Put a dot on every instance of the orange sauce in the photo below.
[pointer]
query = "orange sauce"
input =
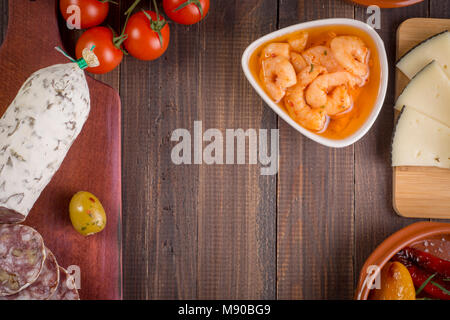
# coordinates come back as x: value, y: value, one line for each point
x: 344, y: 125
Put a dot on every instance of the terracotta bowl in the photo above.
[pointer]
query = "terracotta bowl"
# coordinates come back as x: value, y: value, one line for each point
x: 387, y: 3
x: 388, y: 248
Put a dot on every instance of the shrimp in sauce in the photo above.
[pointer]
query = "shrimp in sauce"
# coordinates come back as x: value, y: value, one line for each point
x: 352, y: 54
x: 299, y: 42
x: 317, y: 93
x: 276, y: 50
x: 340, y: 101
x: 278, y: 74
x: 320, y: 76
x: 311, y: 118
x: 298, y: 61
x: 323, y: 56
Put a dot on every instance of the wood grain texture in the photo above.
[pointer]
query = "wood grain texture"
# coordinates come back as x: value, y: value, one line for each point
x: 93, y: 162
x: 221, y: 231
x: 422, y: 192
x: 419, y: 192
x: 160, y: 198
x: 375, y: 218
x: 315, y: 197
x: 236, y: 205
x: 3, y: 19
x: 439, y: 9
x: 199, y: 240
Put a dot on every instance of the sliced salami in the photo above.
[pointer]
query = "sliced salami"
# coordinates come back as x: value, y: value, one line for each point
x: 44, y: 286
x: 36, y: 132
x: 22, y: 256
x: 66, y: 288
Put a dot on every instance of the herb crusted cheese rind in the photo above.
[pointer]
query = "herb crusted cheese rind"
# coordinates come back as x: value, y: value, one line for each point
x: 420, y: 141
x: 36, y: 132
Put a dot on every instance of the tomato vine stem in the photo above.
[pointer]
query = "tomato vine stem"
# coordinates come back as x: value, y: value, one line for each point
x: 105, y: 1
x: 118, y: 40
x: 188, y: 2
x: 157, y: 25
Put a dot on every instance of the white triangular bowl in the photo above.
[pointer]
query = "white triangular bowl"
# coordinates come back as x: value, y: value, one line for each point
x: 334, y: 143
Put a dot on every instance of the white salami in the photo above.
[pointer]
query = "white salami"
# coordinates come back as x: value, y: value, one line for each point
x: 22, y: 256
x: 36, y: 132
x: 44, y: 286
x: 66, y: 288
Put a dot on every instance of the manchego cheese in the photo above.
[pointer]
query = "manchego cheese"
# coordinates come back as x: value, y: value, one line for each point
x: 435, y: 48
x: 428, y: 93
x: 420, y: 141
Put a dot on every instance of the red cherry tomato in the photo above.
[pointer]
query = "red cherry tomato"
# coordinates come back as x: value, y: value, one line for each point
x: 107, y: 52
x: 186, y: 11
x: 92, y: 12
x: 148, y: 35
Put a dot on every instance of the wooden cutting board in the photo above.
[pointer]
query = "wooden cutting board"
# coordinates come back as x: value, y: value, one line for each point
x: 92, y: 164
x: 419, y: 192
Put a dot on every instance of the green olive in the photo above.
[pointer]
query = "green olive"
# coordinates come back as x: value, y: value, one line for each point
x: 87, y: 213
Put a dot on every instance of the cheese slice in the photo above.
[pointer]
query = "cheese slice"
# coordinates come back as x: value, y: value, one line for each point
x: 434, y: 48
x: 429, y: 93
x: 420, y: 141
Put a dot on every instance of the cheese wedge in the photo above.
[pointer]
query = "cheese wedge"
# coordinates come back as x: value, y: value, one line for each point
x: 429, y: 93
x: 420, y: 141
x: 434, y: 48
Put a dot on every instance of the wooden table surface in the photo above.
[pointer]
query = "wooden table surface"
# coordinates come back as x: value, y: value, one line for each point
x: 225, y: 231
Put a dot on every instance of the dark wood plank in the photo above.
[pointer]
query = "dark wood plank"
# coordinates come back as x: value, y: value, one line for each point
x: 440, y: 9
x: 315, y: 197
x: 160, y: 199
x: 236, y: 205
x: 3, y: 19
x: 375, y: 218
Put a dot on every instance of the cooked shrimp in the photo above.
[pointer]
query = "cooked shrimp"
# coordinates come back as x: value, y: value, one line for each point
x: 310, y: 118
x: 309, y: 74
x: 278, y: 74
x: 298, y: 61
x: 317, y: 92
x: 352, y: 54
x: 321, y: 55
x: 276, y: 49
x: 339, y: 101
x: 299, y: 42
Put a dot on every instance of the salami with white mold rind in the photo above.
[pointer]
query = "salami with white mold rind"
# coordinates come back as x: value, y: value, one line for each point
x: 36, y: 132
x: 66, y: 288
x: 22, y: 256
x: 44, y: 286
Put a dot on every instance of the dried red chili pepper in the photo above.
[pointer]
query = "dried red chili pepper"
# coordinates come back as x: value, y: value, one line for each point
x: 420, y: 276
x: 426, y: 261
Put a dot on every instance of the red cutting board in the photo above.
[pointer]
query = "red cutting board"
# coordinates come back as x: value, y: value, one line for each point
x: 92, y: 164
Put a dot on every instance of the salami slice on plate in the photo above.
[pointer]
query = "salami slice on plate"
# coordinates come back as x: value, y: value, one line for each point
x: 66, y: 288
x: 44, y: 286
x: 22, y: 256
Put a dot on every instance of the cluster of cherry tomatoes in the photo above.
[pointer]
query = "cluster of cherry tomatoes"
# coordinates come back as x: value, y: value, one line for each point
x: 145, y: 35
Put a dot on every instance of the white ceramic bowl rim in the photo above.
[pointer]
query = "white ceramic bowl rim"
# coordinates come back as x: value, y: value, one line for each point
x: 313, y: 24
